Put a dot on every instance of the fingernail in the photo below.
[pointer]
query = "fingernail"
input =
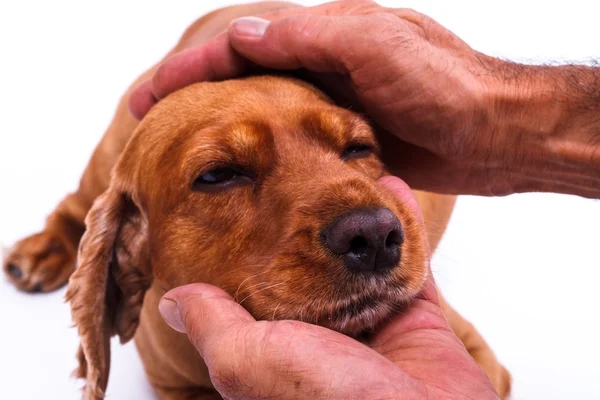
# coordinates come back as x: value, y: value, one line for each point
x: 170, y: 313
x: 250, y: 26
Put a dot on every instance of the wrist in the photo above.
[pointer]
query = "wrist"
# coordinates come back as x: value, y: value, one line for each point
x: 544, y: 122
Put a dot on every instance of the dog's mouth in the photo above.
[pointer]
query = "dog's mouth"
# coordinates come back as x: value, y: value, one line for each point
x: 330, y: 296
x: 364, y: 313
x: 328, y: 286
x: 352, y: 314
x: 355, y: 318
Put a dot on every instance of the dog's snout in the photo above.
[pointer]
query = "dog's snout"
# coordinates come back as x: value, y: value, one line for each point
x: 368, y: 239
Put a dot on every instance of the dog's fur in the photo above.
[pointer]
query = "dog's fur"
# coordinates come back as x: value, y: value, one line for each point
x: 149, y: 229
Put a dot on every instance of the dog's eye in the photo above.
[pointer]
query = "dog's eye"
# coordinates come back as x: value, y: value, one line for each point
x: 218, y: 175
x: 220, y: 178
x: 356, y: 151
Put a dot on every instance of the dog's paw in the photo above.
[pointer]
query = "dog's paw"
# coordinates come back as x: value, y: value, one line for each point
x: 40, y: 263
x: 499, y: 376
x: 502, y: 382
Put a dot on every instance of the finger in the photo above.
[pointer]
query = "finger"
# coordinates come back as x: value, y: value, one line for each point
x: 315, y: 42
x: 336, y: 86
x: 142, y: 100
x: 425, y: 312
x: 246, y: 358
x: 202, y: 311
x: 424, y: 170
x: 402, y: 191
x: 215, y: 60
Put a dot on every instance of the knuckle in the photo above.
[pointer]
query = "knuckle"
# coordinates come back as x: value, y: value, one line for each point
x: 383, y: 21
x: 229, y: 365
x: 240, y: 362
x: 313, y: 38
x: 276, y: 338
x: 237, y: 348
x: 410, y: 13
x: 193, y: 320
x: 359, y: 7
x: 227, y: 382
x: 262, y: 360
x: 309, y: 26
x: 407, y: 14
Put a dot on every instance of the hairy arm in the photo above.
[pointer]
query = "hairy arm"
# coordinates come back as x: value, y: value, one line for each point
x: 550, y: 117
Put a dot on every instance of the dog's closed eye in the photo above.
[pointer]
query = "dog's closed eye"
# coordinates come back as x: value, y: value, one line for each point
x: 355, y: 151
x: 221, y: 178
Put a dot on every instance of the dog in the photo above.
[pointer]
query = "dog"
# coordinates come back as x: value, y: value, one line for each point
x: 259, y: 185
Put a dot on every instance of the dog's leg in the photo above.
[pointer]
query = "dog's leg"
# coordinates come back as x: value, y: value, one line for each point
x: 479, y: 349
x: 44, y: 261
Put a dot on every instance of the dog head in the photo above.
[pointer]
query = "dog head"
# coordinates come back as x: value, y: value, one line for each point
x: 260, y: 186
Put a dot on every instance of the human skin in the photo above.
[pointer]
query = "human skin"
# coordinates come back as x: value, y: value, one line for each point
x: 414, y: 356
x: 451, y: 119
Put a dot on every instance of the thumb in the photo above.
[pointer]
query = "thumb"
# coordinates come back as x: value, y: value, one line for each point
x: 403, y: 192
x: 316, y: 42
x: 246, y: 358
x: 204, y: 312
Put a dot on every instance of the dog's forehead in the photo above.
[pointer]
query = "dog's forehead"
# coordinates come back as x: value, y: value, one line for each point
x: 251, y: 119
x: 253, y: 94
x: 281, y: 107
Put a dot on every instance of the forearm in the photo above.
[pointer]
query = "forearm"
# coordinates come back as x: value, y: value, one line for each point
x: 550, y: 118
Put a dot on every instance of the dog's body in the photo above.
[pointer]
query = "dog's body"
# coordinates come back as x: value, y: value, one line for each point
x: 161, y: 221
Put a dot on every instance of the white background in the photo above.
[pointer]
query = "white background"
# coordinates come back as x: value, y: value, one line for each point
x: 525, y: 268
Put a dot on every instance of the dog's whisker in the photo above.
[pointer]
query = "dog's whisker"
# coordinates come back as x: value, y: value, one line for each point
x: 257, y: 263
x: 244, y: 281
x: 275, y: 311
x: 263, y: 289
x: 256, y: 284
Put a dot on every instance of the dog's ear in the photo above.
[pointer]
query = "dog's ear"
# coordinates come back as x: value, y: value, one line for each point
x: 107, y: 290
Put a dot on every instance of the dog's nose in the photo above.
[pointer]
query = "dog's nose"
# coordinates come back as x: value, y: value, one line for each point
x: 368, y: 239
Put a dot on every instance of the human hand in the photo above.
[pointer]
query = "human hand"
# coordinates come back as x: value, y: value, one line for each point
x: 414, y: 356
x: 460, y: 121
x: 413, y: 77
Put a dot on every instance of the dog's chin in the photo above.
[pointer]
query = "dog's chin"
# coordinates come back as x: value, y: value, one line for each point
x: 355, y: 323
x: 362, y: 314
x: 371, y: 305
x: 357, y: 308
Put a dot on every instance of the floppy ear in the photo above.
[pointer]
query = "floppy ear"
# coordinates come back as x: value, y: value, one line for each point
x: 107, y: 290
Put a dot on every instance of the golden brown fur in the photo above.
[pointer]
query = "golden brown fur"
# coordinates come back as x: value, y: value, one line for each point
x: 148, y: 231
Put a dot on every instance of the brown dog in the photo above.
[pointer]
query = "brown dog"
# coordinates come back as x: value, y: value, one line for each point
x: 260, y: 186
